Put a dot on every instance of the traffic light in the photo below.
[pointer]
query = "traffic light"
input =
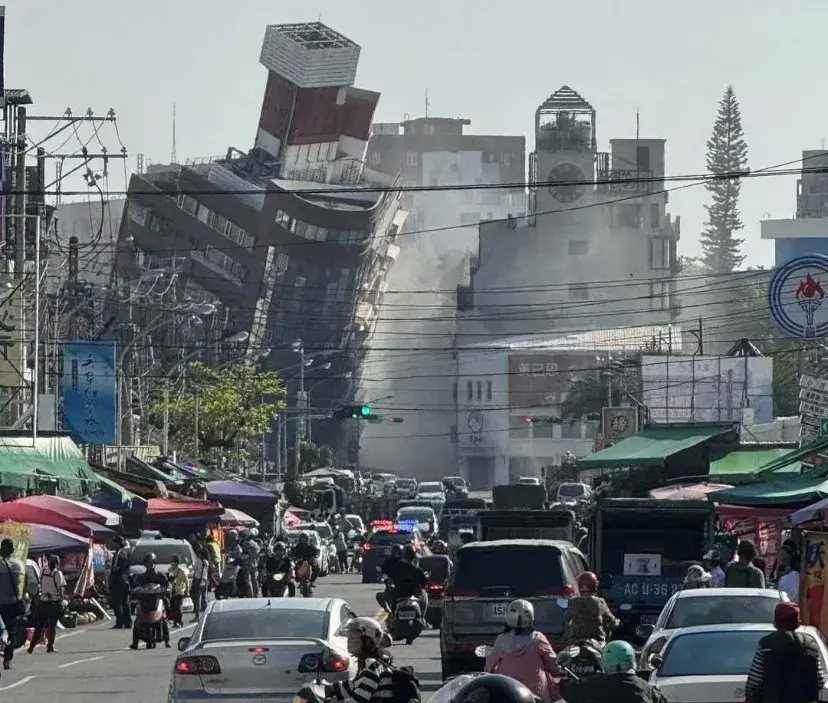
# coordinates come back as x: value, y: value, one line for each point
x: 356, y: 412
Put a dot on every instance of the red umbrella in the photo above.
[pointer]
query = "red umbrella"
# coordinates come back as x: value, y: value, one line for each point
x: 21, y: 511
x: 173, y: 509
x: 74, y: 509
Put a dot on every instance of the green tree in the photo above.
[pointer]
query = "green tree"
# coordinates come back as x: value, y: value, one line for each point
x: 586, y: 396
x: 726, y: 153
x: 234, y: 405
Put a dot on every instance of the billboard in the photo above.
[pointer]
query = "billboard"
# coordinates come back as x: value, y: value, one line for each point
x: 542, y: 379
x: 89, y: 391
x: 707, y: 388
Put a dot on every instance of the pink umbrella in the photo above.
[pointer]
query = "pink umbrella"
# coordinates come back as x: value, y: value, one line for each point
x: 694, y: 491
x: 72, y: 509
x: 236, y: 518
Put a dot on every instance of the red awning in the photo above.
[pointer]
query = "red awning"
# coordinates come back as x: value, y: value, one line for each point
x: 19, y: 511
x: 73, y: 509
x: 745, y: 512
x: 173, y: 509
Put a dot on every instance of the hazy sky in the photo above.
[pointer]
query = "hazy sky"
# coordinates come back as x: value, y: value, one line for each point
x: 492, y: 61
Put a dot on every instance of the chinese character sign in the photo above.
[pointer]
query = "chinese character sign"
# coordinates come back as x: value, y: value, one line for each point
x: 540, y: 379
x: 90, y: 392
x: 812, y: 588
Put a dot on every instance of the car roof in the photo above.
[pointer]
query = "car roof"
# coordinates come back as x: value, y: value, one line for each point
x: 142, y: 541
x: 728, y: 592
x: 233, y: 605
x: 724, y: 627
x: 504, y: 543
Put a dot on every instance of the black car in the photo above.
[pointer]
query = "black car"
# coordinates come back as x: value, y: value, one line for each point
x: 377, y: 548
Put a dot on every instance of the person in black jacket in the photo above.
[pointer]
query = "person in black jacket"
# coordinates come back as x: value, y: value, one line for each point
x: 787, y: 666
x: 119, y: 584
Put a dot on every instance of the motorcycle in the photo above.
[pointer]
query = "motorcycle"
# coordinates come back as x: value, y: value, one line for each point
x: 275, y: 585
x: 150, y: 614
x: 303, y: 578
x: 582, y: 659
x: 406, y: 623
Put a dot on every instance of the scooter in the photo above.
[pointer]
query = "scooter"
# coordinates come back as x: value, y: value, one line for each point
x: 275, y: 585
x: 407, y: 621
x: 582, y: 659
x: 150, y: 615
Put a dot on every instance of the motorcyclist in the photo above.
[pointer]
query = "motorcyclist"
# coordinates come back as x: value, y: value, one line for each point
x: 619, y: 683
x: 367, y: 641
x: 390, y: 568
x: 248, y: 578
x: 524, y: 653
x: 278, y: 562
x: 488, y: 688
x: 151, y: 576
x: 588, y: 615
x: 408, y: 579
x: 305, y: 551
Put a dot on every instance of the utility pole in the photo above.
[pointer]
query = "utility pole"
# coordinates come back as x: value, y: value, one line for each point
x: 197, y: 408
x: 20, y: 197
x: 166, y: 443
x: 300, y: 421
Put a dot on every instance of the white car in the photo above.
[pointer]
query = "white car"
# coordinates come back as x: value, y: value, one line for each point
x: 432, y: 492
x: 707, y: 606
x: 711, y: 663
x: 261, y: 649
x: 418, y: 517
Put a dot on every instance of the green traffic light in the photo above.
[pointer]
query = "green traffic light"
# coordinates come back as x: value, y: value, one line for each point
x: 365, y: 410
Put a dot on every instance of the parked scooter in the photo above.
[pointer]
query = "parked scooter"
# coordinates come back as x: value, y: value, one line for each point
x: 150, y: 615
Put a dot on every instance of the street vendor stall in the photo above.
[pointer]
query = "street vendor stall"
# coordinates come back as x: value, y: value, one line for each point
x: 24, y: 510
x: 180, y: 517
x: 763, y: 526
x: 247, y: 496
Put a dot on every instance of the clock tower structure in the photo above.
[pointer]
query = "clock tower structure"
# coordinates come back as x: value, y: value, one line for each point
x: 563, y: 163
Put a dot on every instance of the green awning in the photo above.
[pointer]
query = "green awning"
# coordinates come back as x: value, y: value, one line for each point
x: 817, y: 446
x: 783, y: 492
x: 53, y: 464
x: 744, y: 464
x: 653, y: 446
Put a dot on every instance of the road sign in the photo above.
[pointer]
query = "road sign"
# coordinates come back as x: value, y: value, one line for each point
x: 796, y: 294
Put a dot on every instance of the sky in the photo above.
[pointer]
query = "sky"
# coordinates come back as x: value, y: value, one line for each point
x: 491, y: 61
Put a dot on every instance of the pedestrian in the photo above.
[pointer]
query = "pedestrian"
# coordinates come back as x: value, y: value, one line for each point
x: 342, y: 552
x: 179, y: 586
x: 713, y: 565
x: 50, y: 604
x: 787, y: 577
x: 201, y: 574
x: 742, y: 573
x: 787, y: 666
x: 12, y: 605
x: 119, y: 584
x: 696, y: 577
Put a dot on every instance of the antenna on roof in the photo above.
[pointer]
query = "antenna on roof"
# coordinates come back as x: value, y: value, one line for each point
x: 173, y: 155
x: 427, y: 103
x: 637, y: 124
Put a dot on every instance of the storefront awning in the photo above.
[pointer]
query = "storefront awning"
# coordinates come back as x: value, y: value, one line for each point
x: 790, y: 492
x: 653, y: 446
x: 50, y: 464
x: 820, y: 445
x: 743, y: 465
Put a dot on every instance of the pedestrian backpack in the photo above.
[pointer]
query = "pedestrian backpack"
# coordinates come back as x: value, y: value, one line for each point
x: 802, y: 675
x: 405, y: 688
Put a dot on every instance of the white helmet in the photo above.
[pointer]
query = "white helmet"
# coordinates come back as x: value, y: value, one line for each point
x: 370, y: 628
x: 520, y: 614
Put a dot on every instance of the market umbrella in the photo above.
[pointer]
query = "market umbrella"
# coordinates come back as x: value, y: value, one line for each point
x: 44, y: 539
x: 810, y: 513
x: 22, y: 511
x: 236, y: 518
x: 176, y: 509
x: 240, y: 491
x: 73, y: 509
x: 694, y: 491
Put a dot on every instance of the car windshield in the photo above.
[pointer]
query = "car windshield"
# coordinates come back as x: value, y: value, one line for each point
x: 721, y: 653
x: 713, y: 610
x: 163, y: 553
x: 421, y: 514
x: 526, y: 570
x: 265, y: 624
x: 431, y: 488
x: 571, y: 490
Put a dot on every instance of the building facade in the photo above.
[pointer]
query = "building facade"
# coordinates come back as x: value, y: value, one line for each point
x: 807, y: 233
x: 280, y: 237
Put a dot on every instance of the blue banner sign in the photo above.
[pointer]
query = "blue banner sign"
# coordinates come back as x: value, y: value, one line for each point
x: 89, y: 382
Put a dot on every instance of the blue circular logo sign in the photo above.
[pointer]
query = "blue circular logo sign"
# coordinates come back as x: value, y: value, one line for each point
x: 796, y: 297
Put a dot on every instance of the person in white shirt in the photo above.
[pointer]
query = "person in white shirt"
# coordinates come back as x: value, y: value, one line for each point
x: 50, y: 604
x: 787, y: 576
x: 712, y: 563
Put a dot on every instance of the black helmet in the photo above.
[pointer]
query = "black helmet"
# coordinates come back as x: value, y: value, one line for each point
x: 150, y: 558
x: 494, y: 688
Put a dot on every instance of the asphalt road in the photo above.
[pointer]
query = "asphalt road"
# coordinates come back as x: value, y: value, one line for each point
x: 95, y: 664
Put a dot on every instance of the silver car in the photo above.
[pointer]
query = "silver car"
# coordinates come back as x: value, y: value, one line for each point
x: 262, y: 649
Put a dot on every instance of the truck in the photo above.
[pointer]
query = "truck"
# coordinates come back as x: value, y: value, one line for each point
x: 555, y: 524
x: 641, y: 549
x: 519, y: 496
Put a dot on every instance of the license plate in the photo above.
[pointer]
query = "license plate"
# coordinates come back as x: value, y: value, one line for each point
x: 498, y: 610
x: 583, y: 669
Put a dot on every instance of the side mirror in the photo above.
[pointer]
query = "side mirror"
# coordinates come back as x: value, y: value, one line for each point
x: 183, y: 643
x: 644, y: 631
x: 655, y: 660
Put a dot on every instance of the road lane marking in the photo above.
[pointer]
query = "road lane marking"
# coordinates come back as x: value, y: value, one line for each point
x: 79, y: 661
x: 17, y: 683
x: 181, y: 629
x: 69, y: 634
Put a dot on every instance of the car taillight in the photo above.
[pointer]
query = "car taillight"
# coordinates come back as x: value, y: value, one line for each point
x: 197, y: 666
x: 435, y: 588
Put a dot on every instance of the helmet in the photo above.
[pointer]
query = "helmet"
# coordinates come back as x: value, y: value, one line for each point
x: 520, y: 614
x: 439, y: 547
x: 150, y: 558
x: 587, y: 583
x: 370, y: 629
x: 696, y: 576
x: 617, y: 657
x: 279, y: 547
x: 253, y: 533
x: 244, y: 533
x: 397, y: 551
x: 493, y: 688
